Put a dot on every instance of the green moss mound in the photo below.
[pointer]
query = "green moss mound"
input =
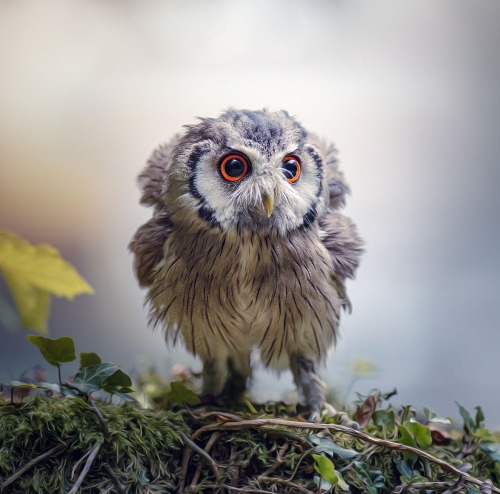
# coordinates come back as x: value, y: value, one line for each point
x: 56, y: 445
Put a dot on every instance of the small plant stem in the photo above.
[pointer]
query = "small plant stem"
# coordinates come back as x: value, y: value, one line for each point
x: 98, y: 413
x: 59, y: 375
x: 284, y: 482
x: 194, y: 446
x: 210, y: 444
x: 54, y: 451
x: 93, y: 453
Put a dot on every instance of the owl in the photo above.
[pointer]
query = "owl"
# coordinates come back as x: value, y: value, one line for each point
x: 245, y: 250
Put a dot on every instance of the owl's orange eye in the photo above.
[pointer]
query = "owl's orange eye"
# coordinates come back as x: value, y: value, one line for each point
x: 234, y: 167
x: 291, y: 168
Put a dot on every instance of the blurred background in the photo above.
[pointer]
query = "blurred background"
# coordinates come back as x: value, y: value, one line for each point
x: 408, y: 92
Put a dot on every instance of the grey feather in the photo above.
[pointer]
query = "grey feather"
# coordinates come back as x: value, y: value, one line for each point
x: 227, y: 275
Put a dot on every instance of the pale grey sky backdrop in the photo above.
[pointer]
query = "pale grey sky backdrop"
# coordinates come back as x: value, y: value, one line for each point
x: 408, y: 91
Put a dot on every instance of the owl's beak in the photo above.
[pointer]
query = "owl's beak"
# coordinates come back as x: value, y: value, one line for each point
x: 268, y: 202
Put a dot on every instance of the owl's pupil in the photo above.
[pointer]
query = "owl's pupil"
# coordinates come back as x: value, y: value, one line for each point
x: 290, y: 169
x: 235, y: 167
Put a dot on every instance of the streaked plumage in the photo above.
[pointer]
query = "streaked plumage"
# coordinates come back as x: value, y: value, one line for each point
x: 260, y: 261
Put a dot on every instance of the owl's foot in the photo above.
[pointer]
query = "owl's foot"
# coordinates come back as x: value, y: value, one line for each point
x: 330, y: 411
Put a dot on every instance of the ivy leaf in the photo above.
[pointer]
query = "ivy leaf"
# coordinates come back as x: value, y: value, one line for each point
x: 404, y: 469
x: 181, y: 395
x: 384, y: 418
x: 492, y: 449
x: 405, y: 437
x: 41, y: 266
x: 420, y: 433
x: 118, y: 381
x: 469, y: 424
x: 20, y: 384
x: 32, y: 302
x: 325, y: 445
x: 89, y: 358
x: 326, y: 469
x: 373, y: 479
x: 55, y: 351
x: 92, y: 378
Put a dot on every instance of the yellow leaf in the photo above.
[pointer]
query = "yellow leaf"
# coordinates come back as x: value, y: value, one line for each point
x: 41, y: 266
x: 33, y: 303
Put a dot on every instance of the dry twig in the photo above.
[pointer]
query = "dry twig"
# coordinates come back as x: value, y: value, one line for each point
x: 258, y: 423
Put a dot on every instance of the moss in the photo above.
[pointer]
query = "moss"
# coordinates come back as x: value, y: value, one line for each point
x: 158, y: 451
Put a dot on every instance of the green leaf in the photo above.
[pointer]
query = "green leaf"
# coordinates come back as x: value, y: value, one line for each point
x: 20, y: 384
x: 479, y: 417
x: 325, y: 445
x: 181, y: 395
x: 55, y: 351
x: 384, y: 418
x: 118, y: 381
x: 469, y: 425
x: 32, y: 303
x: 373, y: 479
x: 420, y: 433
x: 405, y: 437
x: 92, y: 378
x: 40, y: 266
x: 326, y: 469
x: 251, y: 407
x: 404, y: 469
x: 431, y: 416
x: 492, y: 449
x: 89, y: 358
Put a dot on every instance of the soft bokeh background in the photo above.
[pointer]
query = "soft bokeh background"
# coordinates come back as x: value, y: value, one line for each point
x: 408, y: 91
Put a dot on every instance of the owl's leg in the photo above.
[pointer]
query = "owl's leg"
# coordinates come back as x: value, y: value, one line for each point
x: 215, y: 372
x: 312, y: 390
x: 239, y: 372
x: 309, y: 385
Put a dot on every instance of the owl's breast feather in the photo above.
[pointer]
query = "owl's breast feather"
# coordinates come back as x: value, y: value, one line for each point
x: 245, y: 290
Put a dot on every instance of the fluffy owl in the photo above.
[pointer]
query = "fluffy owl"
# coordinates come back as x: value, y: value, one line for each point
x: 245, y: 249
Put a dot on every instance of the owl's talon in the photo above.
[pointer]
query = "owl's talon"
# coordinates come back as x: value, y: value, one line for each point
x: 344, y: 418
x: 315, y: 417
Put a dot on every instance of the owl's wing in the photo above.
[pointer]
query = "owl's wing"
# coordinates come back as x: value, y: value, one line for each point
x: 337, y: 186
x: 149, y: 240
x: 340, y: 236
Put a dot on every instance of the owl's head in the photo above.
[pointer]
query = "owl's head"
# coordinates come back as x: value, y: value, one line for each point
x: 255, y: 170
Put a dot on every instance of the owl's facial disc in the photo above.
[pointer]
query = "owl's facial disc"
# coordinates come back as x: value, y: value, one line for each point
x: 243, y: 187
